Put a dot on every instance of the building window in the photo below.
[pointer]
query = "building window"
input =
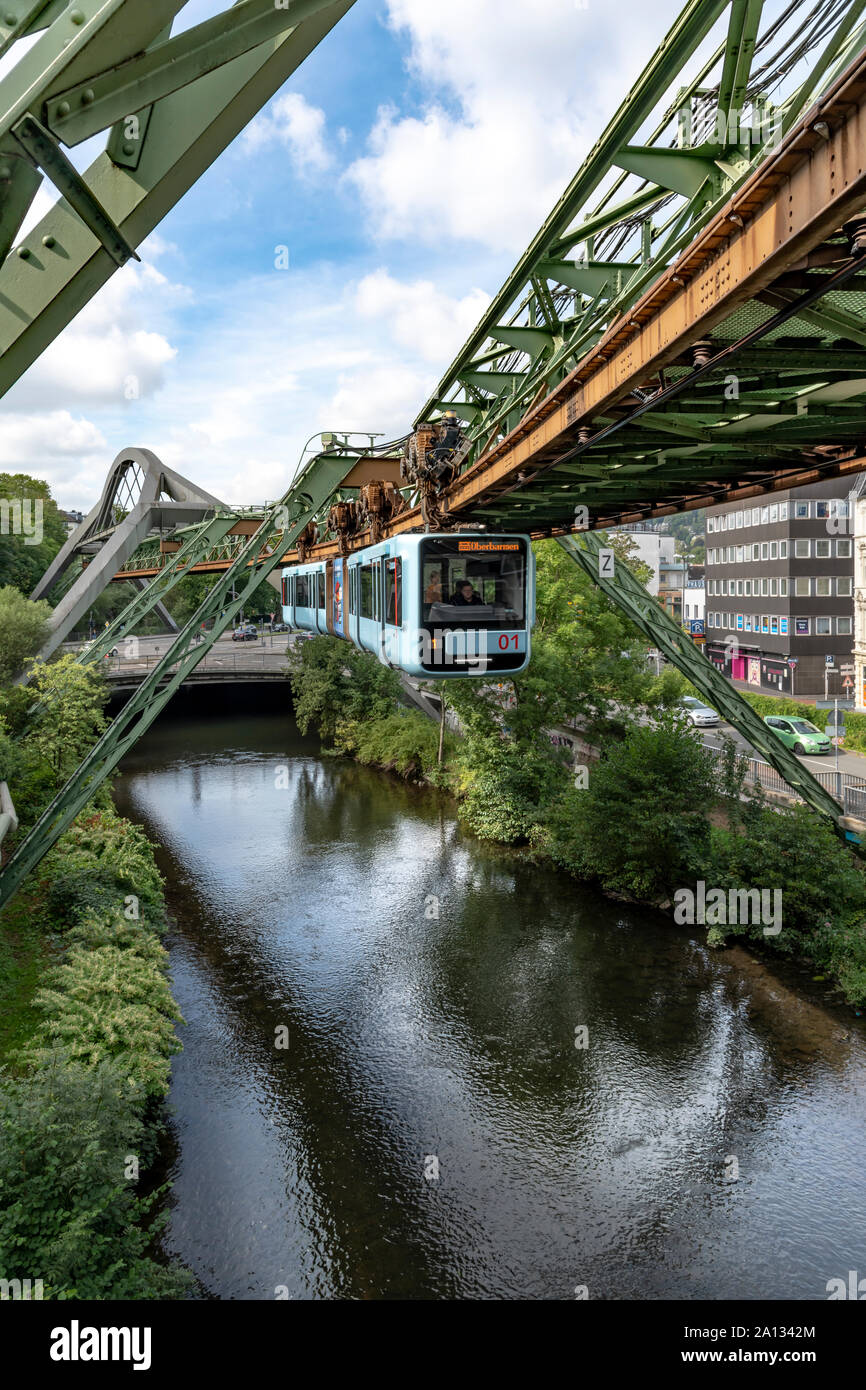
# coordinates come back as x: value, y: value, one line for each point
x: 774, y: 627
x: 765, y: 623
x: 801, y: 511
x: 739, y: 587
x: 783, y: 588
x: 783, y: 550
x: 747, y: 588
x: 822, y: 510
x: 783, y: 511
x: 756, y: 515
x: 756, y: 552
x: 765, y: 515
x: 843, y: 550
x: 765, y: 587
x: 802, y: 627
x: 823, y: 587
x: 739, y: 554
x: 844, y: 586
x: 774, y: 550
x: 783, y: 626
x: 774, y: 512
x: 843, y: 627
x: 739, y: 522
x: 802, y: 550
x: 802, y: 587
x: 774, y: 588
x: 748, y: 623
x: 822, y: 627
x: 765, y: 550
x: 822, y: 550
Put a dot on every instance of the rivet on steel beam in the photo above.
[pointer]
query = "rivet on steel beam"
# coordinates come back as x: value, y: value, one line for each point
x: 63, y: 108
x: 821, y: 128
x: 11, y: 20
x: 49, y: 241
x: 77, y: 16
x: 24, y: 252
x: 87, y: 96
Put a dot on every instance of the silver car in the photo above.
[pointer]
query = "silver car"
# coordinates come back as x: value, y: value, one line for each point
x: 699, y: 713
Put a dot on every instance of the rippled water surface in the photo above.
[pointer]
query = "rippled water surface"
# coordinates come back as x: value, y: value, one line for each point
x: 305, y: 893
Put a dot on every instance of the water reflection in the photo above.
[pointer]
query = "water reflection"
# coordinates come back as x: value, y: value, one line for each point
x: 309, y: 900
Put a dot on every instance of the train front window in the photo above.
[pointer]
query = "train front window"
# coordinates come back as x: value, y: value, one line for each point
x: 473, y: 583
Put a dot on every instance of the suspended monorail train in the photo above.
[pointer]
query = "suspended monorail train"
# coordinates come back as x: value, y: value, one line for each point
x: 434, y: 606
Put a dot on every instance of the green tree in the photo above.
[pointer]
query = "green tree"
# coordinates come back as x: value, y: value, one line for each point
x: 640, y: 827
x: 334, y: 684
x: 23, y: 630
x: 22, y: 563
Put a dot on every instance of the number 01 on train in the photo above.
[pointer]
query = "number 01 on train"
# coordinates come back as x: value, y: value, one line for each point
x: 435, y: 606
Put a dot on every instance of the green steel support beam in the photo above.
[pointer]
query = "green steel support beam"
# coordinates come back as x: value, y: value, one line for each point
x: 309, y: 492
x: 61, y: 263
x: 649, y: 617
x: 193, y: 549
x: 95, y: 104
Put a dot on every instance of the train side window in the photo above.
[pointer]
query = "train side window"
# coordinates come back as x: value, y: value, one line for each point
x: 303, y: 585
x: 285, y: 592
x: 393, y: 595
x: 321, y: 587
x: 367, y: 606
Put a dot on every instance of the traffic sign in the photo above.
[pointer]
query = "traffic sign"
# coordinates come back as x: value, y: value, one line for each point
x: 847, y: 669
x: 792, y: 662
x: 828, y: 660
x: 847, y: 683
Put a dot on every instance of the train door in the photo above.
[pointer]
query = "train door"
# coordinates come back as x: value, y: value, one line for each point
x: 392, y: 607
x: 329, y: 595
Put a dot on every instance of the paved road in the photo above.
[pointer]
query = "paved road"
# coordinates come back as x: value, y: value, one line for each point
x: 852, y: 763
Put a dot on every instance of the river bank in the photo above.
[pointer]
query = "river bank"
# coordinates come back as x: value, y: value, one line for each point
x: 431, y: 988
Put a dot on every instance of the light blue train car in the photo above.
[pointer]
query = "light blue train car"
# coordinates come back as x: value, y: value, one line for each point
x: 435, y: 606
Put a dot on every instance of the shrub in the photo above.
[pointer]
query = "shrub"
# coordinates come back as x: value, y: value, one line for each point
x: 640, y: 827
x: 404, y: 742
x: 69, y: 1215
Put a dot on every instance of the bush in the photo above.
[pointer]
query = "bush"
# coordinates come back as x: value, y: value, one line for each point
x: 823, y: 889
x: 640, y: 827
x: 405, y: 742
x: 506, y: 788
x: 99, y: 862
x: 23, y: 630
x: 69, y: 1214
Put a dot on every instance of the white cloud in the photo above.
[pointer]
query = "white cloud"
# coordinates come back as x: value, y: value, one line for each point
x: 420, y: 317
x: 511, y: 98
x: 108, y: 355
x: 292, y: 122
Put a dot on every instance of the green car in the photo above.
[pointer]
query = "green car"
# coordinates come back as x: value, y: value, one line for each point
x: 798, y: 734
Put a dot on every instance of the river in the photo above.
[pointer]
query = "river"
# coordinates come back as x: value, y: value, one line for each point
x: 381, y: 1095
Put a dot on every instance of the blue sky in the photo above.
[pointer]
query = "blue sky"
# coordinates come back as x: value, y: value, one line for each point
x: 405, y: 166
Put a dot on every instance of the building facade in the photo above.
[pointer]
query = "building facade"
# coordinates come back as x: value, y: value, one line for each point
x: 780, y: 591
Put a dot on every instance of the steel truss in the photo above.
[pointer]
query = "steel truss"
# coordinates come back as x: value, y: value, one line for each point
x: 252, y: 566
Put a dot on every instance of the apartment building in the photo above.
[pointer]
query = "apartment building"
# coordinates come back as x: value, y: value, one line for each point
x: 780, y: 591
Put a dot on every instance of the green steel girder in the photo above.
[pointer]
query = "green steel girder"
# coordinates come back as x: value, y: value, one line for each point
x: 703, y: 142
x: 94, y: 47
x: 194, y: 547
x: 98, y: 102
x: 649, y: 617
x: 307, y: 495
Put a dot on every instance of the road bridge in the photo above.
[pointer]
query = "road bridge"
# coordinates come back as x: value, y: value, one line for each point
x: 687, y: 326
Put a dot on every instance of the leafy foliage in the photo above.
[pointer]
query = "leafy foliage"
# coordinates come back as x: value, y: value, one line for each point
x: 68, y: 1214
x: 640, y: 827
x: 22, y: 564
x: 23, y: 630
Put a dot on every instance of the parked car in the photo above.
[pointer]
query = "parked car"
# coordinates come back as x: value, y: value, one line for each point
x: 698, y: 713
x: 247, y: 633
x: 280, y: 627
x: 799, y: 734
